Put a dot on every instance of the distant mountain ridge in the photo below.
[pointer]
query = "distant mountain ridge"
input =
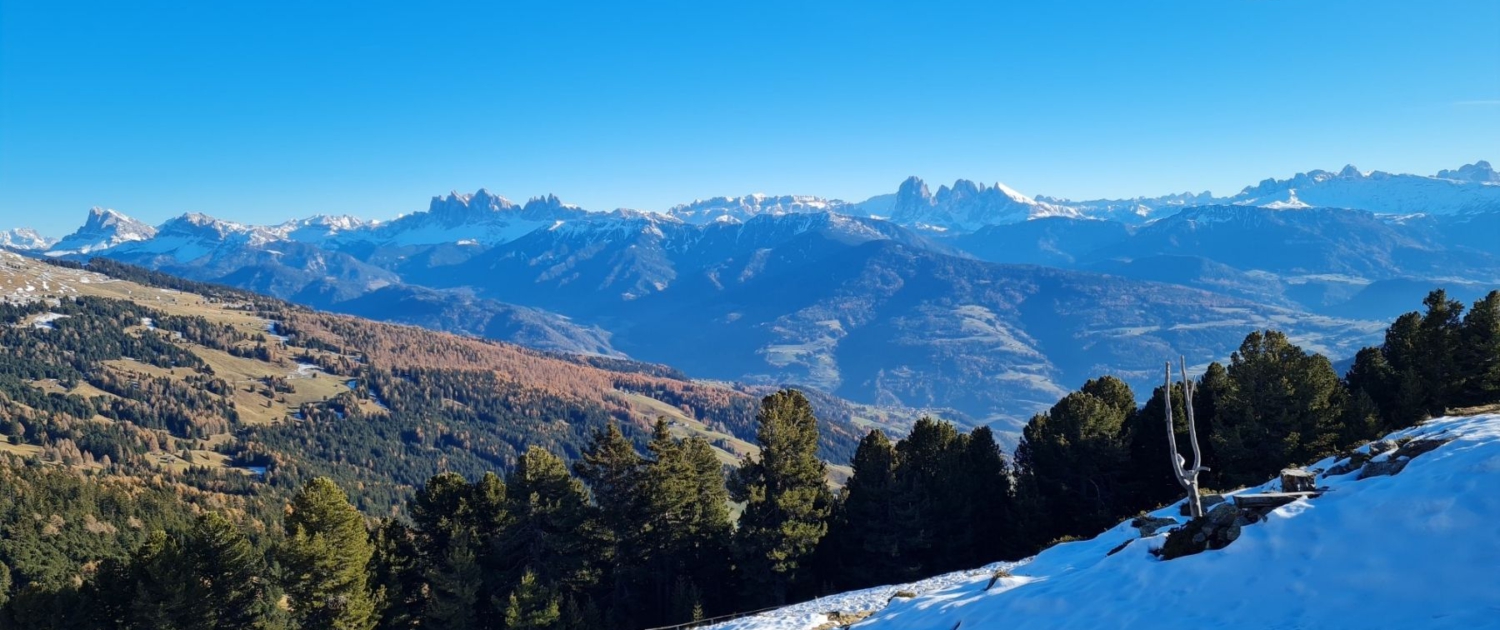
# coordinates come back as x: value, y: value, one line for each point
x: 916, y: 298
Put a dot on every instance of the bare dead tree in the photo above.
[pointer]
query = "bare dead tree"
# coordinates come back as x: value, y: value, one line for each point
x: 1187, y: 478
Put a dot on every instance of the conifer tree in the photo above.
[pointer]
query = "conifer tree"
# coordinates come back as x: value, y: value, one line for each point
x: 326, y: 557
x: 1285, y: 407
x: 1072, y: 458
x: 166, y: 591
x: 867, y: 542
x: 397, y: 576
x: 1371, y: 378
x: 1479, y: 353
x: 532, y: 606
x: 1153, y: 483
x: 934, y: 511
x: 985, y: 482
x: 228, y: 569
x: 551, y: 531
x: 456, y: 583
x: 613, y: 471
x: 1439, y: 350
x: 786, y: 501
x: 684, y: 537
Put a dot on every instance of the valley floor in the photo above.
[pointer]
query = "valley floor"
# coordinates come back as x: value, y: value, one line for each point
x: 1414, y: 550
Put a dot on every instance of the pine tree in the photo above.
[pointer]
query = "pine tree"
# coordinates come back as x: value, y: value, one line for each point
x: 934, y: 513
x: 1440, y: 332
x: 984, y: 480
x: 1371, y: 378
x: 326, y: 556
x: 1285, y: 407
x: 397, y: 576
x: 1152, y: 481
x: 686, y: 530
x: 531, y: 606
x: 786, y: 501
x: 613, y: 472
x: 1479, y: 353
x: 552, y: 530
x: 456, y: 582
x: 866, y: 539
x: 166, y: 591
x: 228, y: 570
x: 1073, y: 456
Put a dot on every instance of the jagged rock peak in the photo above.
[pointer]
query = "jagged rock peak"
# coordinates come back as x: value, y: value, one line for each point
x: 1480, y: 172
x: 459, y: 203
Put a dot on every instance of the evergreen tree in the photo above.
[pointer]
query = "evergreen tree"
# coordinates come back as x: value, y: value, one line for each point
x: 228, y: 569
x: 1438, y: 352
x: 865, y: 538
x: 786, y: 501
x: 552, y: 531
x: 397, y: 576
x: 326, y: 557
x: 984, y: 480
x: 1479, y: 353
x: 933, y: 511
x: 1284, y: 407
x: 167, y: 593
x: 1371, y: 378
x: 613, y: 471
x: 456, y: 584
x: 685, y: 536
x: 532, y: 606
x: 1072, y: 457
x: 1149, y: 471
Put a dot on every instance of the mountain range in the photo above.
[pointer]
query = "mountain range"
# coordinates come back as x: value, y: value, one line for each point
x: 974, y: 298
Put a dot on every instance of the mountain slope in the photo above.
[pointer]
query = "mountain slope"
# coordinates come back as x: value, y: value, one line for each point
x: 152, y: 371
x: 1413, y: 549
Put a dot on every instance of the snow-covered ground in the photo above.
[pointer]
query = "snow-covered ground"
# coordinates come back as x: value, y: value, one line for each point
x: 1415, y: 550
x: 813, y: 613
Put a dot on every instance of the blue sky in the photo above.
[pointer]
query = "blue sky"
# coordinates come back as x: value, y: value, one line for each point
x: 263, y: 111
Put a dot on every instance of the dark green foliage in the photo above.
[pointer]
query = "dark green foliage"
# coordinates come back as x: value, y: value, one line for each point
x: 1151, y: 479
x: 685, y: 536
x: 1284, y: 407
x: 326, y: 558
x: 1478, y: 354
x: 865, y: 540
x: 531, y: 606
x: 786, y: 501
x: 1073, y: 457
x: 552, y: 532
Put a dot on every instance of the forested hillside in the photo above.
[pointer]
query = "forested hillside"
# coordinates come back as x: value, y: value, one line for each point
x: 185, y: 456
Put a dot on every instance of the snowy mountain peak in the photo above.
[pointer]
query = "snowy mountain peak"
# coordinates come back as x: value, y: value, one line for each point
x: 104, y: 228
x: 967, y: 206
x: 741, y: 209
x: 460, y: 206
x: 1479, y: 172
x: 24, y: 239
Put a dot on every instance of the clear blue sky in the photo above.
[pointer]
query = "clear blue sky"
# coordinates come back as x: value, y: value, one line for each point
x: 261, y: 111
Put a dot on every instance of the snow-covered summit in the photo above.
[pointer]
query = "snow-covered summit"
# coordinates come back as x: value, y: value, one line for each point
x: 104, y: 228
x: 24, y: 239
x: 1375, y: 191
x: 1479, y: 172
x: 967, y: 206
x: 1416, y: 549
x: 741, y: 209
